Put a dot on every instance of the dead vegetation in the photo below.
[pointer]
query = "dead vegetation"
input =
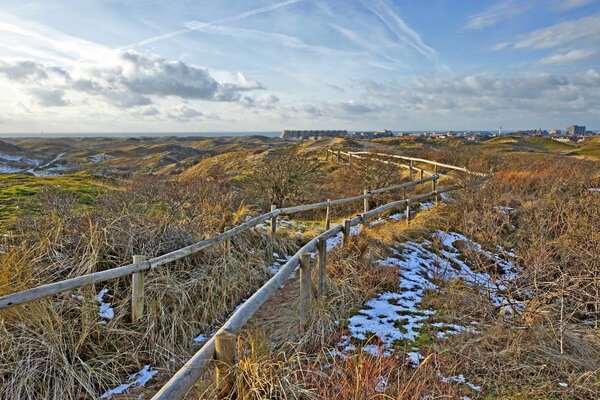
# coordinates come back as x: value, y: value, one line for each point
x: 535, y: 205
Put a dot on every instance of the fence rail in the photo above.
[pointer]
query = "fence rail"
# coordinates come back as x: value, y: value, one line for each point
x: 219, y: 345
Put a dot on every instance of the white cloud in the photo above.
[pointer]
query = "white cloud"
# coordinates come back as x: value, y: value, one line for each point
x: 198, y: 25
x: 571, y: 56
x: 50, y: 97
x: 400, y: 28
x: 571, y: 4
x: 501, y: 11
x: 39, y: 42
x: 582, y: 30
x: 128, y: 79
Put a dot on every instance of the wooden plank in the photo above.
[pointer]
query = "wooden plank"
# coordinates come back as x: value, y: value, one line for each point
x: 367, y: 195
x: 346, y: 233
x: 273, y: 222
x: 39, y: 292
x: 305, y: 287
x: 137, y: 291
x: 328, y: 215
x: 322, y: 261
x: 225, y: 353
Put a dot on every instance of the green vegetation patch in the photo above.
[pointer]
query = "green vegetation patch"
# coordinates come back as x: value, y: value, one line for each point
x: 19, y: 192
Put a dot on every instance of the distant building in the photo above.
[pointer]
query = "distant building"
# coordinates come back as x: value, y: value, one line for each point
x: 305, y: 135
x: 555, y: 132
x: 373, y: 134
x: 576, y: 130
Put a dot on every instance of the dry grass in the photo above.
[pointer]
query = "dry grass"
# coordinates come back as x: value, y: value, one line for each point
x: 61, y: 348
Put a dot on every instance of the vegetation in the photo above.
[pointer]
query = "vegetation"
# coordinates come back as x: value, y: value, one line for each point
x: 537, y: 206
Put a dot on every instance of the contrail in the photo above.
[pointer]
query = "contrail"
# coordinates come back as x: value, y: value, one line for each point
x: 196, y: 25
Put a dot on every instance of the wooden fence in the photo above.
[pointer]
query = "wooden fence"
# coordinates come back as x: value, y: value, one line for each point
x: 222, y: 345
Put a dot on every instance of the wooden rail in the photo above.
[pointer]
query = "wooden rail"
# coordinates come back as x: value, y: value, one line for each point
x: 50, y: 289
x: 220, y: 345
x: 182, y: 382
x: 420, y: 160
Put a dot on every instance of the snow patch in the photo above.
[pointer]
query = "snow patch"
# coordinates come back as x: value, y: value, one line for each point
x: 393, y: 316
x: 105, y: 310
x: 100, y: 157
x: 139, y: 379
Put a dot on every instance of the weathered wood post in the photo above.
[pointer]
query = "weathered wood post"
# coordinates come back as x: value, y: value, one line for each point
x: 305, y: 286
x: 407, y: 213
x: 327, y: 155
x: 339, y: 156
x: 410, y: 168
x: 322, y: 258
x: 137, y: 291
x: 366, y: 200
x: 273, y: 222
x: 403, y: 193
x: 349, y: 158
x: 225, y: 352
x: 421, y: 173
x: 434, y: 189
x: 328, y: 216
x: 346, y: 232
x: 227, y: 244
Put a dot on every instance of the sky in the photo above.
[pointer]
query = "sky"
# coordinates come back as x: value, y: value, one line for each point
x: 268, y: 65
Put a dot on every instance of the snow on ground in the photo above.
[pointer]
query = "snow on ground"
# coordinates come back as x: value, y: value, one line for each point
x: 594, y: 189
x: 105, y: 309
x: 21, y: 159
x: 278, y: 263
x: 7, y: 169
x: 394, y: 316
x: 139, y: 379
x: 100, y: 157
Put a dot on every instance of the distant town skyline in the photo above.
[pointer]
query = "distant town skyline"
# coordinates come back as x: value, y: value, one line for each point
x: 267, y: 65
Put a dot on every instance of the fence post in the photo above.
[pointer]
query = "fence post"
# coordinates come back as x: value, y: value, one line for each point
x: 327, y: 155
x: 227, y: 244
x: 403, y: 193
x: 346, y: 232
x: 421, y: 173
x: 339, y: 156
x: 273, y: 222
x: 328, y: 216
x: 349, y: 158
x: 410, y: 169
x: 407, y: 213
x: 434, y: 189
x: 305, y: 286
x: 322, y: 257
x: 225, y: 349
x: 137, y: 291
x: 366, y: 200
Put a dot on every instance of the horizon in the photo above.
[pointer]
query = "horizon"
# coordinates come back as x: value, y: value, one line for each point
x: 259, y: 65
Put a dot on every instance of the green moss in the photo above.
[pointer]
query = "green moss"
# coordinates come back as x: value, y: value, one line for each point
x: 18, y: 192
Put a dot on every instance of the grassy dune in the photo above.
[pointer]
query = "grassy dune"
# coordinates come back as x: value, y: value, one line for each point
x: 536, y: 211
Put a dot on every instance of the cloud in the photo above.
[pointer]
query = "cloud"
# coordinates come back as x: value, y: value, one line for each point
x: 482, y: 99
x: 490, y: 17
x: 150, y: 112
x: 50, y: 97
x: 571, y: 56
x: 131, y: 79
x: 338, y: 110
x: 28, y: 71
x: 185, y: 114
x: 197, y: 25
x: 501, y: 46
x: 582, y: 30
x: 571, y: 4
x: 401, y: 29
x: 266, y: 101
